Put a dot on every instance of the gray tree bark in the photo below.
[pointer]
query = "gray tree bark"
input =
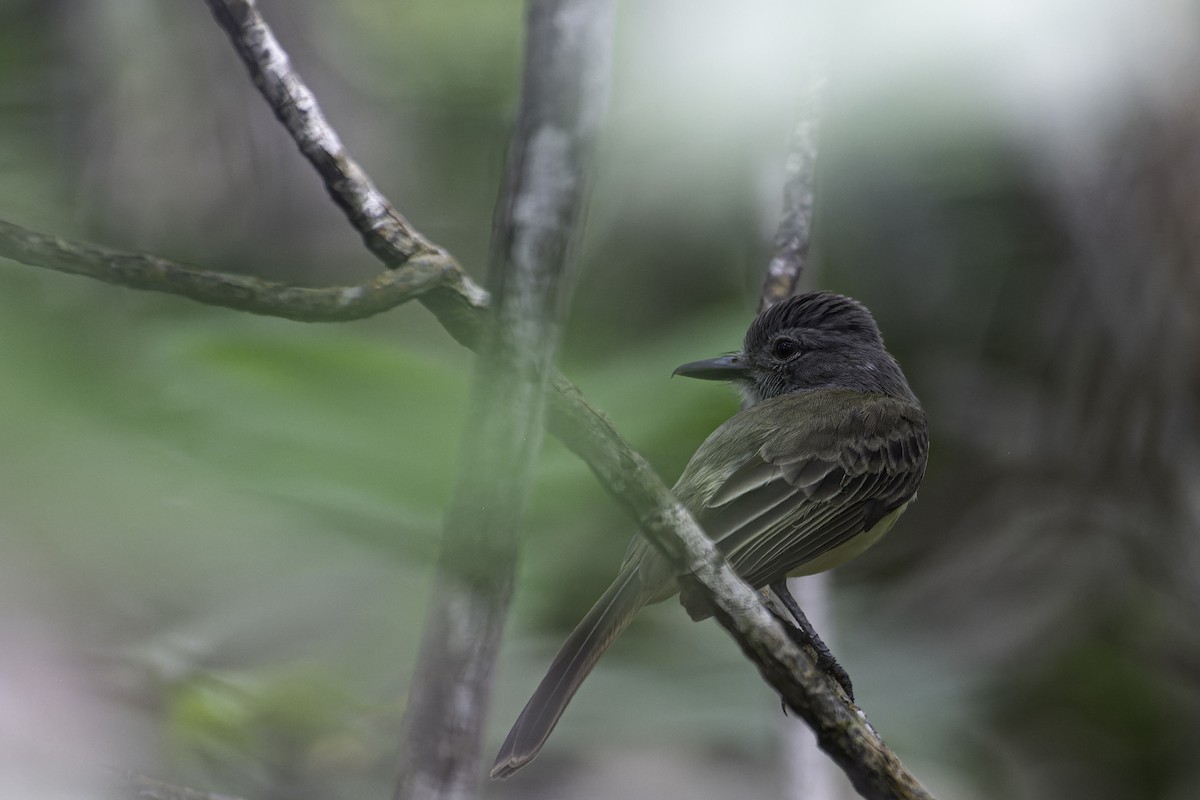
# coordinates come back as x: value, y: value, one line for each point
x: 564, y: 91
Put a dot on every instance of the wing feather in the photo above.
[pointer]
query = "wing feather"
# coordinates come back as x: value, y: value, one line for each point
x: 816, y: 485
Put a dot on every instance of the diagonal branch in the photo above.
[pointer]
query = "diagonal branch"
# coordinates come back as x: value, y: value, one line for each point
x: 385, y: 231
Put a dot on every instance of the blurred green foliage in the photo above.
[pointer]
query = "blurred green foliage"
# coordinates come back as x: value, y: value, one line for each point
x: 229, y: 522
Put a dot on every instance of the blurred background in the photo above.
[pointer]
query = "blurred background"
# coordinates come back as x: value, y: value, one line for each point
x: 217, y: 529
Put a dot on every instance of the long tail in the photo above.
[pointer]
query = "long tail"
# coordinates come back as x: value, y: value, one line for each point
x: 583, y: 648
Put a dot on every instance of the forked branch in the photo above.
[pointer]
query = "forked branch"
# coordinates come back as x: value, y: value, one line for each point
x: 428, y: 273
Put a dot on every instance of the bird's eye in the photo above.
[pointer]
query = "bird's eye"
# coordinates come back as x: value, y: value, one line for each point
x: 783, y: 349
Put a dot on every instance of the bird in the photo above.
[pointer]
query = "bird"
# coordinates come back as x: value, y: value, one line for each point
x: 827, y: 452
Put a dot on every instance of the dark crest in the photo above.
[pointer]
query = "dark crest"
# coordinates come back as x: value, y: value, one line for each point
x: 817, y: 313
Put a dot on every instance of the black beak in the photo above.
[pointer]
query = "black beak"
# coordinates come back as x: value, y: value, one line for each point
x: 725, y: 368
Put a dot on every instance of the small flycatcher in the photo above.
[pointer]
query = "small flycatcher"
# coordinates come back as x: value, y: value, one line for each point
x: 827, y: 454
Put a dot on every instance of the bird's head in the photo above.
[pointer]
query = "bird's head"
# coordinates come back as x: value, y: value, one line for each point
x: 817, y: 340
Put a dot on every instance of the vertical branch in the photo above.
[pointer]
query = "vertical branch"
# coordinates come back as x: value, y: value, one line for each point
x: 794, y: 234
x: 564, y: 90
x: 810, y: 774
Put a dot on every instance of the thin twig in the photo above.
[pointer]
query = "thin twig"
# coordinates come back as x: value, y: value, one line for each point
x: 794, y: 234
x: 240, y: 292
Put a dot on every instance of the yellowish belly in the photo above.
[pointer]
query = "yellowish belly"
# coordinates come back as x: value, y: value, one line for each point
x: 849, y: 549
